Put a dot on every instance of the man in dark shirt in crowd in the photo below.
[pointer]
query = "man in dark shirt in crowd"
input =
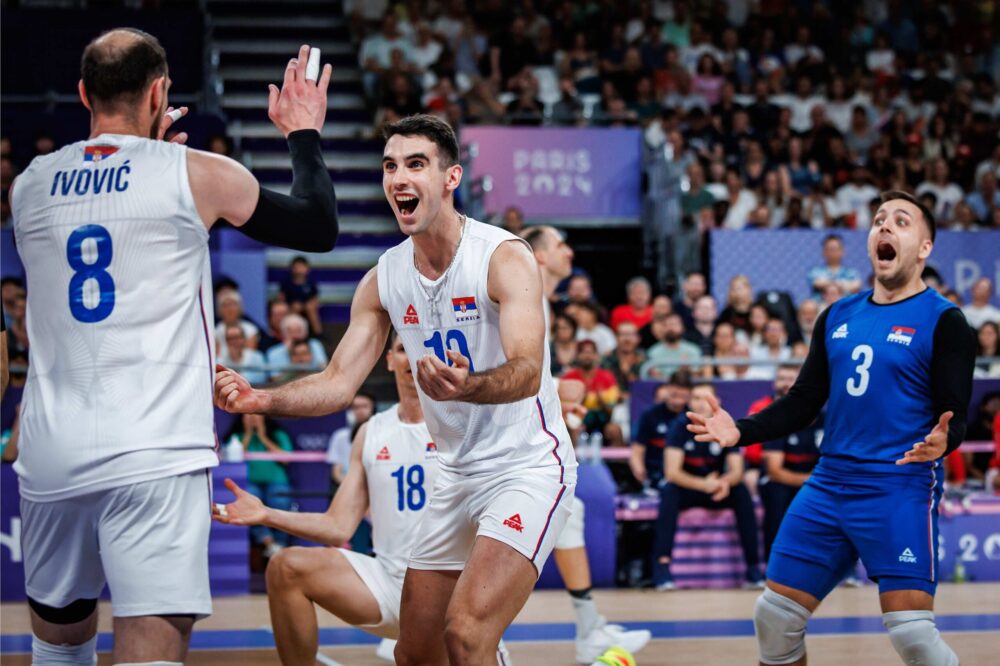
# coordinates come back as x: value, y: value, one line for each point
x: 788, y: 462
x: 702, y: 474
x: 650, y: 440
x: 302, y: 294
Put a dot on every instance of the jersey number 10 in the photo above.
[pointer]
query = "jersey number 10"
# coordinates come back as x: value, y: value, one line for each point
x: 84, y: 272
x: 453, y: 340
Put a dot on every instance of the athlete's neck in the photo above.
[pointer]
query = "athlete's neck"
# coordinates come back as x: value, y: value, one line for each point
x: 434, y: 249
x: 409, y: 405
x: 116, y: 125
x: 886, y: 295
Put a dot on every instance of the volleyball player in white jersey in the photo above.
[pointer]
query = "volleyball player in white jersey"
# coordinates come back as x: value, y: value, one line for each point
x: 117, y: 427
x: 466, y: 299
x: 392, y: 472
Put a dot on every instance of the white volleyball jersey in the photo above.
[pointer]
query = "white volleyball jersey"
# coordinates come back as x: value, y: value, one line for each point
x: 455, y: 312
x: 119, y: 386
x: 401, y: 463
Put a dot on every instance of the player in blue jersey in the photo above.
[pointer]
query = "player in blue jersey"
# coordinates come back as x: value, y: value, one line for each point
x: 894, y: 366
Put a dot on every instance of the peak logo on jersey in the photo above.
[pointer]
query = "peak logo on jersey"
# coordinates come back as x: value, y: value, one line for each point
x: 902, y: 335
x: 514, y: 523
x: 432, y: 448
x: 411, y: 316
x: 908, y: 556
x: 465, y: 308
x: 841, y: 332
x: 98, y: 153
x: 383, y: 454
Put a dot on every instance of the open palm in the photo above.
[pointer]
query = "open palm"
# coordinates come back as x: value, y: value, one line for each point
x: 246, y: 510
x: 719, y: 427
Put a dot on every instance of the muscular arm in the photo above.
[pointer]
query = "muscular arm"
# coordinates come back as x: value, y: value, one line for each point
x: 514, y: 283
x: 952, y: 364
x: 804, y: 400
x: 333, y: 388
x: 341, y: 519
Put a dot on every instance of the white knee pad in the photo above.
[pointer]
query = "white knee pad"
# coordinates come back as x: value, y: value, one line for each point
x: 780, y: 625
x: 917, y: 640
x: 48, y: 654
x: 572, y: 533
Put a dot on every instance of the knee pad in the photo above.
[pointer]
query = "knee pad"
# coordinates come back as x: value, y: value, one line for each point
x: 780, y: 625
x: 77, y: 611
x: 572, y: 532
x: 44, y: 653
x: 917, y: 640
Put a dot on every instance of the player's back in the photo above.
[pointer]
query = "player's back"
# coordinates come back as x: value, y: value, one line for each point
x: 119, y: 385
x: 881, y: 400
x: 401, y: 465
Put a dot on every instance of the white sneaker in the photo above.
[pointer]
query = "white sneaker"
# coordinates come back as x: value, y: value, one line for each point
x: 604, y: 636
x: 386, y: 650
x: 503, y: 655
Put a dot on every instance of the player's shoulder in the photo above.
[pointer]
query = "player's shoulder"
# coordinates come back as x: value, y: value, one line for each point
x: 399, y: 251
x: 387, y: 417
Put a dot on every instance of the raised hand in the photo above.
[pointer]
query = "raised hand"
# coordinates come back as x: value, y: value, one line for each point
x: 234, y: 394
x: 246, y: 510
x: 933, y: 446
x: 719, y: 427
x: 301, y: 103
x: 440, y: 381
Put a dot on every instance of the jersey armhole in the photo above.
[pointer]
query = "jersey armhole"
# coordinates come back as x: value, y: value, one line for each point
x: 485, y: 275
x: 187, y: 208
x: 382, y: 281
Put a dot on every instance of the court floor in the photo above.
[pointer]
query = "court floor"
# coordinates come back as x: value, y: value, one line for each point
x: 689, y: 628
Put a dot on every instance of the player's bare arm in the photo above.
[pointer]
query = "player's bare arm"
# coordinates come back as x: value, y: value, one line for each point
x: 332, y: 527
x: 306, y: 218
x: 673, y: 466
x: 330, y: 390
x: 516, y: 285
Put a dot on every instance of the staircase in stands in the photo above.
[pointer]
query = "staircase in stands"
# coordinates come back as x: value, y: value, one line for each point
x: 251, y: 42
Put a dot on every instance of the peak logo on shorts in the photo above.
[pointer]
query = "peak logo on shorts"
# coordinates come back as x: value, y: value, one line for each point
x: 902, y: 335
x: 383, y: 454
x: 411, y: 316
x: 908, y: 556
x: 514, y: 523
x: 465, y: 308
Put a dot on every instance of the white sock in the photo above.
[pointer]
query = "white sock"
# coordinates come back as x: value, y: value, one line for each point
x: 587, y: 616
x: 47, y: 654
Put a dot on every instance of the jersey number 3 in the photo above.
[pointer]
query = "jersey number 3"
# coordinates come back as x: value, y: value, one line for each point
x: 80, y: 306
x: 410, y: 488
x: 856, y: 386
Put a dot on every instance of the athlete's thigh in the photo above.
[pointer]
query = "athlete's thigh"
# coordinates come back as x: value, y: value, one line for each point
x: 811, y: 553
x: 62, y: 560
x: 352, y: 586
x: 426, y: 595
x: 154, y: 546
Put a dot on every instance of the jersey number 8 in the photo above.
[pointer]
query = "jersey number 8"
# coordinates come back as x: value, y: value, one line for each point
x: 96, y: 270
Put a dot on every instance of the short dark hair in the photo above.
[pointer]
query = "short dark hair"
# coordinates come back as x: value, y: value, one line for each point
x: 830, y: 237
x: 299, y: 259
x: 116, y: 72
x: 536, y: 236
x: 367, y: 396
x: 680, y: 378
x: 925, y: 212
x: 430, y: 127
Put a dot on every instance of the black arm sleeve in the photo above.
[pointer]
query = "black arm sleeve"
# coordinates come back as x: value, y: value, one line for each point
x: 804, y: 400
x: 952, y: 363
x: 305, y: 219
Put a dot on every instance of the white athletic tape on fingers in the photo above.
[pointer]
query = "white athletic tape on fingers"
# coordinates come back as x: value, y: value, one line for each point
x: 221, y: 508
x: 175, y: 115
x: 312, y: 68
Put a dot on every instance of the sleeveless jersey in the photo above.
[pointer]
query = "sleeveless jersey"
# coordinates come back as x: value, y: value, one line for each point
x: 455, y: 312
x: 880, y: 401
x: 400, y: 461
x: 119, y: 386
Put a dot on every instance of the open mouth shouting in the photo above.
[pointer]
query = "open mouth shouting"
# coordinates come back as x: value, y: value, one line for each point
x: 885, y: 254
x: 407, y: 205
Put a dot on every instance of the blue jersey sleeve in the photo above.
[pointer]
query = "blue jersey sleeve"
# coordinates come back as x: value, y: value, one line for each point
x: 678, y: 433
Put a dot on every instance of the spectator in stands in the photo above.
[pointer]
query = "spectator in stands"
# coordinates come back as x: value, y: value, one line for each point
x: 705, y: 314
x: 759, y: 315
x: 787, y: 462
x: 861, y: 136
x: 302, y: 293
x: 988, y: 341
x: 510, y: 52
x: 806, y: 317
x: 853, y: 198
x: 277, y: 310
x: 581, y: 65
x: 980, y: 310
x: 267, y: 479
x: 236, y: 354
x: 525, y: 109
x: 740, y: 199
x: 230, y: 305
x: 602, y: 392
x: 662, y: 306
x: 567, y: 110
x: 693, y: 288
x: 775, y: 349
x: 739, y: 300
x: 985, y: 198
x: 833, y: 270
x: 563, y: 345
x: 638, y: 309
x: 648, y: 445
x: 294, y: 330
x: 947, y: 193
x: 702, y: 474
x: 11, y: 288
x: 220, y: 144
x: 589, y: 327
x: 579, y: 290
x: 338, y: 451
x: 627, y: 358
x: 426, y: 50
x: 794, y: 215
x: 696, y: 198
x: 672, y: 353
x: 981, y: 430
x: 513, y: 220
x: 375, y: 55
x: 726, y: 345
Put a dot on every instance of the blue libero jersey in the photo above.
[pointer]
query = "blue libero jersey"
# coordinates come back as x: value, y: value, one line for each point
x: 880, y: 401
